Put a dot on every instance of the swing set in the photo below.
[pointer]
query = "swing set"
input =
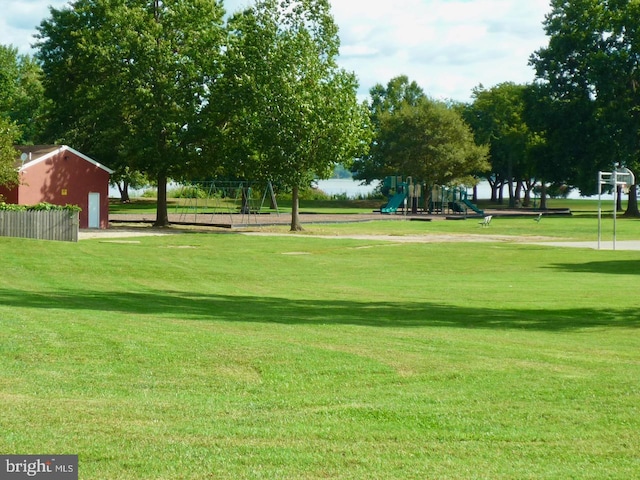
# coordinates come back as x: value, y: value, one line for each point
x: 242, y: 201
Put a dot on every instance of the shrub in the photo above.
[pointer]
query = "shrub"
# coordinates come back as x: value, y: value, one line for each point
x: 12, y: 207
x: 308, y: 194
x: 187, y: 191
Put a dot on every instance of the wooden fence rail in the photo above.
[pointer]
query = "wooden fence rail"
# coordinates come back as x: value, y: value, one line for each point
x: 40, y: 224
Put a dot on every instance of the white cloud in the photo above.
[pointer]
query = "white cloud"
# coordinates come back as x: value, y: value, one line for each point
x: 19, y: 20
x: 446, y: 46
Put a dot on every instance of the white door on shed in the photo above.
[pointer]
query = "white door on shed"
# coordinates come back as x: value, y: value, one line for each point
x: 94, y: 210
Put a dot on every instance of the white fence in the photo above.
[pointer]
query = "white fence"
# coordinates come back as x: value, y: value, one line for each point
x: 40, y: 224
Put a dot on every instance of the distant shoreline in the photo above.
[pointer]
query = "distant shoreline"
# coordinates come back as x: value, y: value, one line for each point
x: 353, y: 189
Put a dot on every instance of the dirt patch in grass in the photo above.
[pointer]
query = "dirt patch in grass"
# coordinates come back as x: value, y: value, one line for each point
x: 426, y: 238
x: 142, y: 231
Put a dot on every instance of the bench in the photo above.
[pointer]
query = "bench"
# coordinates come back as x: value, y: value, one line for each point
x: 486, y: 221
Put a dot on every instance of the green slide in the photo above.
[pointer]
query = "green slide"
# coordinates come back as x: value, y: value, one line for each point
x: 393, y: 204
x: 473, y: 206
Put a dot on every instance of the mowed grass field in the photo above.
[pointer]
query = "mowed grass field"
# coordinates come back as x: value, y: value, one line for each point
x: 227, y: 356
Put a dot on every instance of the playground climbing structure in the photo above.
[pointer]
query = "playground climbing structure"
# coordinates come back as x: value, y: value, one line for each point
x: 406, y: 195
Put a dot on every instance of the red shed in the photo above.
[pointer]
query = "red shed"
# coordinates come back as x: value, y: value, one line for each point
x: 60, y: 175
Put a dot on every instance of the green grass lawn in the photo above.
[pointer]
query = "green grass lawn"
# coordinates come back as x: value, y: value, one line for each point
x: 228, y: 356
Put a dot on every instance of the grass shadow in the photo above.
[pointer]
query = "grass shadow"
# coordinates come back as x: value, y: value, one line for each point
x: 189, y: 306
x: 610, y: 267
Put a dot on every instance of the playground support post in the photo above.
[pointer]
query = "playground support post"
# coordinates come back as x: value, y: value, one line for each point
x: 408, y: 191
x: 623, y: 176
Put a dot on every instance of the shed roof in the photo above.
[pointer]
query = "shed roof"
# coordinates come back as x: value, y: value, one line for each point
x: 39, y: 153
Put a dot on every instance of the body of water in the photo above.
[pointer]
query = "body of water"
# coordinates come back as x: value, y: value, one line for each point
x: 345, y: 186
x: 353, y: 189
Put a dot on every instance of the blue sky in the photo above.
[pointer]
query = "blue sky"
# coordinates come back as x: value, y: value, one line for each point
x: 446, y: 46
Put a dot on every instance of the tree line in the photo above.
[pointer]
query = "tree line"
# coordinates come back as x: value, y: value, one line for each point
x: 171, y: 89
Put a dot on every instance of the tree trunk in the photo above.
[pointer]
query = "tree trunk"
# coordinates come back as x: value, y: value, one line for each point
x: 527, y: 194
x: 518, y: 196
x: 632, y: 205
x: 494, y: 191
x: 619, y: 198
x: 512, y: 193
x: 543, y: 195
x: 162, y: 216
x: 295, y: 207
x: 124, y: 191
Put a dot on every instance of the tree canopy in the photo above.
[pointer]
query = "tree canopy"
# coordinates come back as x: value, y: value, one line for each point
x: 432, y: 143
x: 415, y: 135
x: 293, y: 114
x: 21, y: 102
x: 21, y: 93
x: 497, y: 116
x: 591, y: 72
x: 377, y: 164
x: 8, y: 135
x: 128, y: 79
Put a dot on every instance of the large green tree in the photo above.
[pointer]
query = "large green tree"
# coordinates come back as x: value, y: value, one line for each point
x: 431, y: 142
x: 129, y: 78
x: 591, y: 69
x: 497, y: 116
x: 8, y: 154
x: 385, y: 100
x: 417, y: 136
x: 21, y: 93
x: 292, y: 114
x: 564, y: 135
x: 21, y: 103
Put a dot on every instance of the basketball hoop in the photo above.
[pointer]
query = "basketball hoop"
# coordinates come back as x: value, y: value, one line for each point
x: 620, y: 177
x: 624, y: 177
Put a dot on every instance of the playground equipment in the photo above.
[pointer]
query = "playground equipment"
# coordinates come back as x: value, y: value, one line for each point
x: 234, y: 198
x: 404, y: 193
x: 396, y: 189
x: 623, y: 177
x: 452, y: 199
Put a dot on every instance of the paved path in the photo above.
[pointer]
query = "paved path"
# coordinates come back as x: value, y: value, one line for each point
x: 604, y: 245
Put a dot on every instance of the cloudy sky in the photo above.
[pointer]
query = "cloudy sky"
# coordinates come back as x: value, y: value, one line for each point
x: 446, y: 46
